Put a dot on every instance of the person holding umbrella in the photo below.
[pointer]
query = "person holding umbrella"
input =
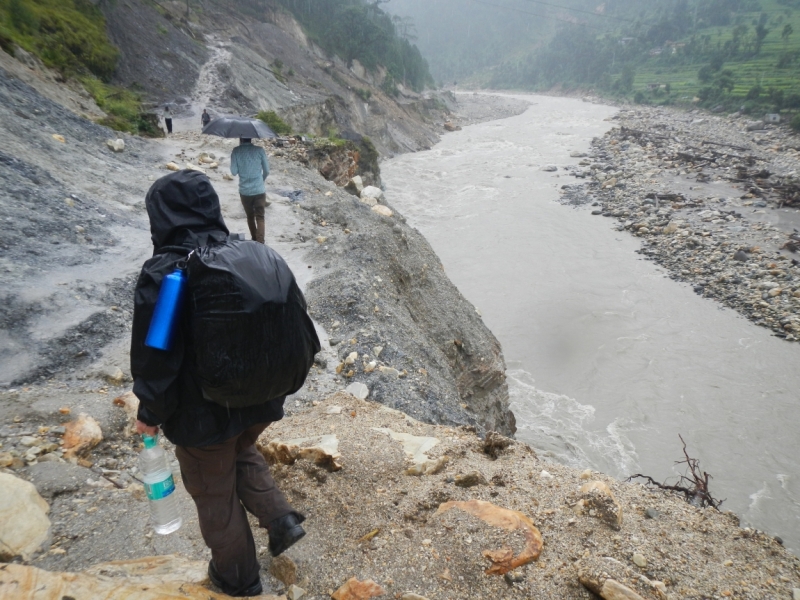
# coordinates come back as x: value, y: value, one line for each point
x: 249, y: 162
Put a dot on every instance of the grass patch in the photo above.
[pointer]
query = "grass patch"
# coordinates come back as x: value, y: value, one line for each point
x: 67, y: 35
x: 124, y: 109
x: 278, y: 125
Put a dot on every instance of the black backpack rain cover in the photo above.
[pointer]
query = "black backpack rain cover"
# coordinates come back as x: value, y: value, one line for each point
x: 253, y: 339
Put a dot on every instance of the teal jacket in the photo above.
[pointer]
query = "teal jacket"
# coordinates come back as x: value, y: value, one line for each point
x: 249, y: 162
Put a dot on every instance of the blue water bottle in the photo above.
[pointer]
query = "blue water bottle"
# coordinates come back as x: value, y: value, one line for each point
x: 167, y: 312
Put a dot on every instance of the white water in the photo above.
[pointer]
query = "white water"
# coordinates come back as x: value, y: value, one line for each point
x: 608, y: 359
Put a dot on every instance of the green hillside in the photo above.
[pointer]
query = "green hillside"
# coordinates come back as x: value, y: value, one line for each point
x: 719, y: 54
x: 765, y: 75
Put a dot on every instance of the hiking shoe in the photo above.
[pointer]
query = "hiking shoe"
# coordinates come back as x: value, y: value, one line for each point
x: 284, y: 532
x: 254, y: 589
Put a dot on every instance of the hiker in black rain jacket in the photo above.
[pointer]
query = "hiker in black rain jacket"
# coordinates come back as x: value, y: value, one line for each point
x: 220, y: 467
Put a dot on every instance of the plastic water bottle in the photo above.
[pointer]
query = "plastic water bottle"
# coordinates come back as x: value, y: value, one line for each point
x: 167, y: 311
x: 159, y: 486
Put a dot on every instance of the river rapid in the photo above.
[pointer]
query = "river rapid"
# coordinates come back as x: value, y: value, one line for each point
x: 608, y: 359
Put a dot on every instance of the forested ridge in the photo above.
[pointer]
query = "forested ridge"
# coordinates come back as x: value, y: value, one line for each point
x: 70, y: 37
x: 361, y: 30
x: 718, y: 53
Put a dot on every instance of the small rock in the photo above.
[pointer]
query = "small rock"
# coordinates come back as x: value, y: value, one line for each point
x: 171, y: 166
x: 651, y: 513
x: 470, y: 479
x: 333, y: 410
x: 117, y: 145
x: 382, y: 210
x: 284, y: 570
x: 351, y: 358
x: 514, y: 577
x: 353, y: 589
x: 598, y: 496
x: 59, y: 138
x: 372, y: 192
x: 587, y: 474
x: 355, y: 186
x: 295, y: 593
x: 613, y: 590
x: 359, y: 390
x: 321, y: 239
x: 741, y: 255
x: 639, y: 560
x: 81, y: 436
x: 28, y: 440
x: 610, y: 183
x: 545, y: 475
x: 6, y: 460
x: 389, y: 371
x: 494, y: 444
x: 227, y: 177
x: 114, y: 376
x: 51, y: 458
x: 796, y: 594
x: 549, y: 168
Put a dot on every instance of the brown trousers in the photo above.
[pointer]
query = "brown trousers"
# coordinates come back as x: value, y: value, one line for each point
x: 254, y: 209
x: 224, y: 480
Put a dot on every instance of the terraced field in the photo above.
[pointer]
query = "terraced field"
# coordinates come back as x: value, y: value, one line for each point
x: 749, y: 70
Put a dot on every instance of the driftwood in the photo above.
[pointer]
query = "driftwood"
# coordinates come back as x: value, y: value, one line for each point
x: 637, y: 133
x: 740, y: 148
x: 693, y: 486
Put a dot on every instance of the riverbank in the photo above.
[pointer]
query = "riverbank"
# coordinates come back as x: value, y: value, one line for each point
x: 423, y: 511
x: 715, y: 201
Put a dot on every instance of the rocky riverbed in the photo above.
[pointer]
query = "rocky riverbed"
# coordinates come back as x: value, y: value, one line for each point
x: 715, y: 200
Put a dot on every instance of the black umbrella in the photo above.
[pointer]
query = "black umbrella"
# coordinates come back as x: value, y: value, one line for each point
x: 239, y: 127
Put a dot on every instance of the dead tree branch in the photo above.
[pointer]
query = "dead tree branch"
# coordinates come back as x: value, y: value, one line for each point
x: 693, y: 485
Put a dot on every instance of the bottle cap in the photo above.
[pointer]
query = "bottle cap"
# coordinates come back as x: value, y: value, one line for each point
x: 150, y: 441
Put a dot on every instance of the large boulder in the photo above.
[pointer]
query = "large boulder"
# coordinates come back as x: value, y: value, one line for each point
x: 24, y: 525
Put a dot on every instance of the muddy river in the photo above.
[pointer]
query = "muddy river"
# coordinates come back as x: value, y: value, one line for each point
x: 609, y: 360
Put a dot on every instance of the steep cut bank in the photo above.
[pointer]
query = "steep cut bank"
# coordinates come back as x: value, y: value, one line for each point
x: 242, y: 60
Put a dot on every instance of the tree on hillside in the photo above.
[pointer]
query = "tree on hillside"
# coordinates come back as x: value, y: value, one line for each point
x: 788, y: 30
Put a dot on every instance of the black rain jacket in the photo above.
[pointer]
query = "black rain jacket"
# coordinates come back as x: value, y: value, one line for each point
x: 184, y: 214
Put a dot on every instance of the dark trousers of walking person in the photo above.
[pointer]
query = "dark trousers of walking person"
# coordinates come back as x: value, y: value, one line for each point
x: 254, y: 209
x: 168, y: 123
x: 224, y: 480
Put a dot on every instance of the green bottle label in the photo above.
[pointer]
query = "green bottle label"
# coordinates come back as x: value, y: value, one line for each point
x: 160, y: 490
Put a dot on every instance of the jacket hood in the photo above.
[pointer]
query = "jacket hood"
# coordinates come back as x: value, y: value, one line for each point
x: 183, y: 206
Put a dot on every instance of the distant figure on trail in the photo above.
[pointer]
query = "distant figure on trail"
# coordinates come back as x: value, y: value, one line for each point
x: 168, y: 119
x: 221, y: 469
x: 249, y: 162
x: 205, y: 118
